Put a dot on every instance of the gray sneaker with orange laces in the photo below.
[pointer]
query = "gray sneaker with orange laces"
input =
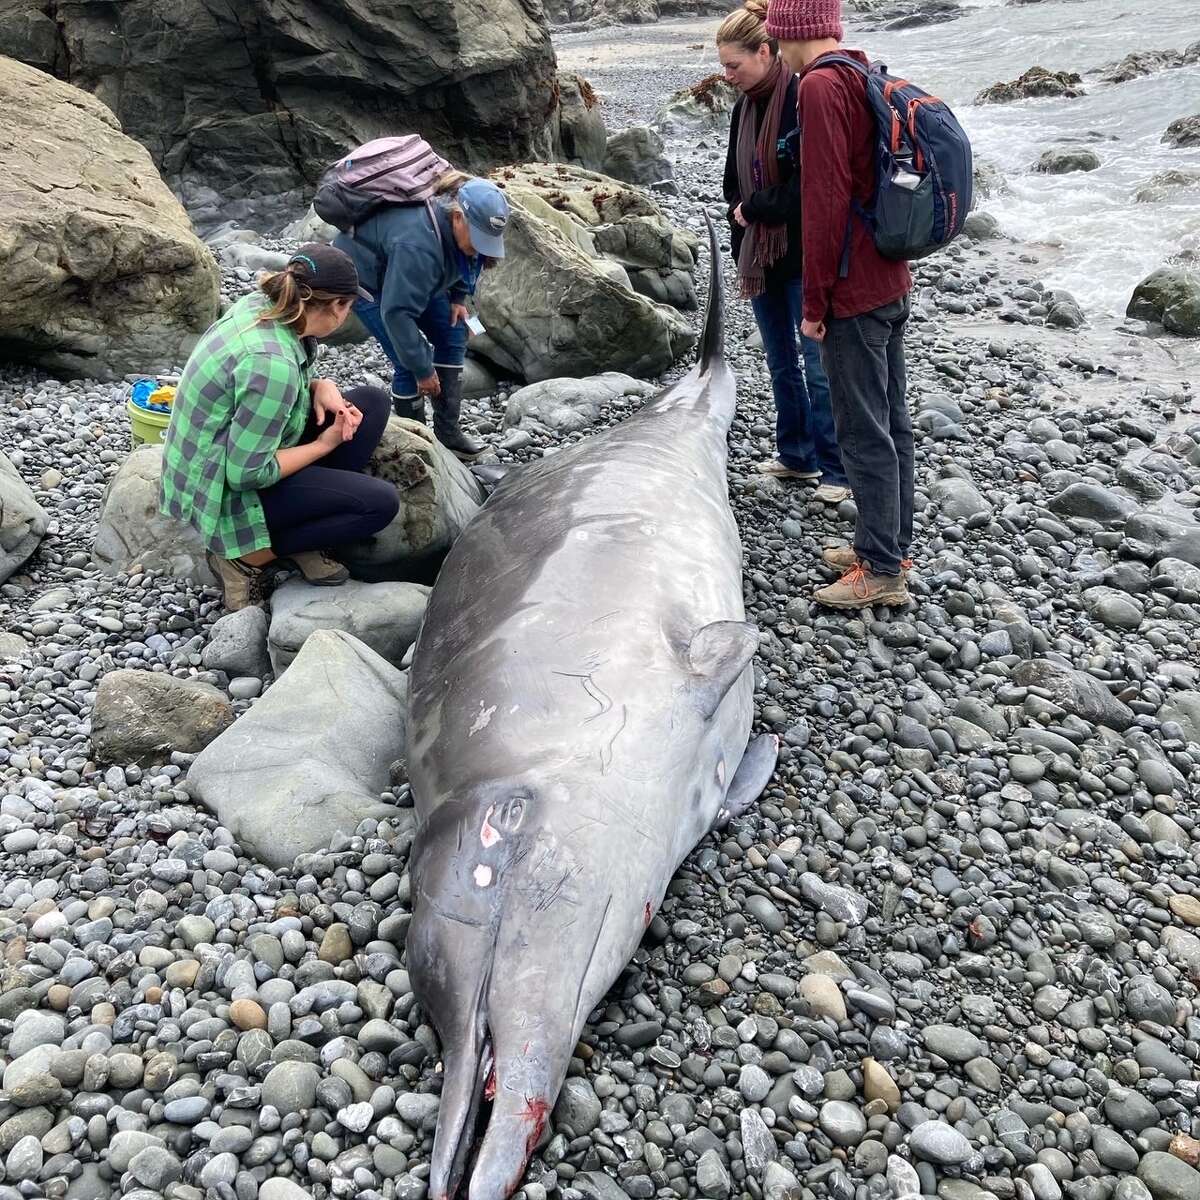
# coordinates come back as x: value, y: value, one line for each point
x: 860, y: 587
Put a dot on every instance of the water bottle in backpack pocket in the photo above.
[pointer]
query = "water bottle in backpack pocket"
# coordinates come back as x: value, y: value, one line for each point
x: 925, y: 172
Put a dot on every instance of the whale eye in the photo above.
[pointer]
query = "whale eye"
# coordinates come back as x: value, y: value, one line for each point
x: 512, y: 812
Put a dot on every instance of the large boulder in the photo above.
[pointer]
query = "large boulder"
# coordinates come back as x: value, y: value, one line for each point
x: 597, y: 13
x: 1149, y: 62
x: 905, y: 14
x: 244, y: 104
x: 611, y: 223
x: 554, y: 311
x: 438, y: 496
x: 636, y: 155
x: 23, y: 521
x: 701, y: 107
x: 1036, y: 83
x: 1065, y: 160
x: 1171, y: 296
x: 1184, y: 709
x: 311, y: 758
x: 130, y: 532
x: 1167, y: 185
x: 572, y: 405
x: 1184, y: 132
x: 143, y: 716
x: 102, y: 273
x: 579, y: 133
x: 383, y: 616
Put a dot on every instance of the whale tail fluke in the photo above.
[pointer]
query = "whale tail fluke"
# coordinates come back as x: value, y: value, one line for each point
x: 712, y: 340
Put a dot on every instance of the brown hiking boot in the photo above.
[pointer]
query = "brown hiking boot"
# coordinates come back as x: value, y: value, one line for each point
x: 842, y: 558
x: 241, y: 584
x: 860, y: 588
x: 319, y: 568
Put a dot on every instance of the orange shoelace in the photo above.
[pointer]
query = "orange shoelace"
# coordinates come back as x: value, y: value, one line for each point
x: 856, y: 579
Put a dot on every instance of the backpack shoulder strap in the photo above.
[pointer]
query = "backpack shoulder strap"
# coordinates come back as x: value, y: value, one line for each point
x: 433, y: 217
x: 829, y: 60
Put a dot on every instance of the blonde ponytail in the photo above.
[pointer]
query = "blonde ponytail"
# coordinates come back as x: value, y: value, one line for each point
x: 746, y: 27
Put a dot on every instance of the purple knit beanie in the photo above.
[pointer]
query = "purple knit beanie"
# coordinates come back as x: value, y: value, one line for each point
x: 804, y: 20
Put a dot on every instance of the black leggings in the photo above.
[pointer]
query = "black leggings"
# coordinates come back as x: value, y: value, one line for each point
x: 326, y: 506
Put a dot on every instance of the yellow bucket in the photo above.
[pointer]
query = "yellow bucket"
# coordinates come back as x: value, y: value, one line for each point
x: 148, y: 427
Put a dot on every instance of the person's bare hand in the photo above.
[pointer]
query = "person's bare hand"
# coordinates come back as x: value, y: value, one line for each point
x: 458, y: 312
x: 337, y: 432
x: 739, y: 218
x: 431, y: 386
x: 328, y: 402
x: 813, y: 329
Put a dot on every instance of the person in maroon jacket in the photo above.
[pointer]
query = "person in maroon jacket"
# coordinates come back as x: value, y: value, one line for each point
x: 856, y: 303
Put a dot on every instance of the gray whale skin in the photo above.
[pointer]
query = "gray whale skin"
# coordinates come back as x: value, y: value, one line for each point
x: 580, y: 704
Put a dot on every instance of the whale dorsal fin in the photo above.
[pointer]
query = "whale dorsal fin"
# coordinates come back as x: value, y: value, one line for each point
x: 717, y: 656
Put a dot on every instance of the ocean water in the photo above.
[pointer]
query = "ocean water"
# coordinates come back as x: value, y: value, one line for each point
x: 1093, y: 238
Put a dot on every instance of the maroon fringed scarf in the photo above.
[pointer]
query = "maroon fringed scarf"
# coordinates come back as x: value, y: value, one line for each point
x: 758, y: 168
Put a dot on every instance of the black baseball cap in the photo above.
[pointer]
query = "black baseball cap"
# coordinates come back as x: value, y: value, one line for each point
x: 327, y: 269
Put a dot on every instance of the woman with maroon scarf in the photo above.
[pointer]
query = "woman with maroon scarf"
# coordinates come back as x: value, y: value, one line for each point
x: 762, y: 189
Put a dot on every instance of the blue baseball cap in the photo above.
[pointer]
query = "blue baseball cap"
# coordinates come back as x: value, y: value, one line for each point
x: 487, y: 212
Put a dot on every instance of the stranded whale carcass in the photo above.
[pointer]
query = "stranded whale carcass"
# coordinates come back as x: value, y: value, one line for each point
x: 580, y: 705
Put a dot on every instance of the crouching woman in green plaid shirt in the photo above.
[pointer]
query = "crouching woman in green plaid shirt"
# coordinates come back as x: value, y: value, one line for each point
x: 264, y: 460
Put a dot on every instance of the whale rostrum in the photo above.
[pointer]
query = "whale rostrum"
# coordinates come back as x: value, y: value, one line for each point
x: 580, y: 705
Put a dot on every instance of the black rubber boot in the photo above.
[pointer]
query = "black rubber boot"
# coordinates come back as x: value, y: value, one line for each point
x: 411, y: 408
x: 447, y: 415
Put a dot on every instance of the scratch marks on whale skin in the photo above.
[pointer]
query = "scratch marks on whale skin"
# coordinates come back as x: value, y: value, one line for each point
x: 604, y: 705
x: 601, y: 698
x: 606, y: 752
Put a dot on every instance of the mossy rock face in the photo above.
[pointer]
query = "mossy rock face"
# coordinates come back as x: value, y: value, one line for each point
x: 243, y: 105
x: 618, y: 227
x: 554, y: 310
x: 103, y: 275
x: 1171, y: 296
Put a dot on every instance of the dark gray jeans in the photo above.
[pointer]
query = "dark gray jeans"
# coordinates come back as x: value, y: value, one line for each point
x: 864, y: 359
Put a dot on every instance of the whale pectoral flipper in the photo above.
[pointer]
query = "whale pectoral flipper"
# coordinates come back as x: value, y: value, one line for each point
x: 717, y: 656
x: 751, y: 778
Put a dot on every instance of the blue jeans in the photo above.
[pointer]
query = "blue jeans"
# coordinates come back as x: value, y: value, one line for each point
x: 449, y: 342
x: 864, y: 356
x: 804, y: 432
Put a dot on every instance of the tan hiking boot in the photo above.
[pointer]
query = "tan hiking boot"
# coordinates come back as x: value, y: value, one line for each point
x: 778, y: 470
x: 319, y: 568
x: 241, y: 584
x: 842, y: 558
x: 831, y: 493
x: 860, y: 588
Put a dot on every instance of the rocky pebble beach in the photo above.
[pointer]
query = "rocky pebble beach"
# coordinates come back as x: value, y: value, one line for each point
x: 954, y: 952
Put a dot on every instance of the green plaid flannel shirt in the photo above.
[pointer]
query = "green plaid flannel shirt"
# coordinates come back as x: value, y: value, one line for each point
x: 244, y: 395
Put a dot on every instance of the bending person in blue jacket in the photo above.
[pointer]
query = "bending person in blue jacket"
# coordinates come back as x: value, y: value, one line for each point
x: 421, y: 261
